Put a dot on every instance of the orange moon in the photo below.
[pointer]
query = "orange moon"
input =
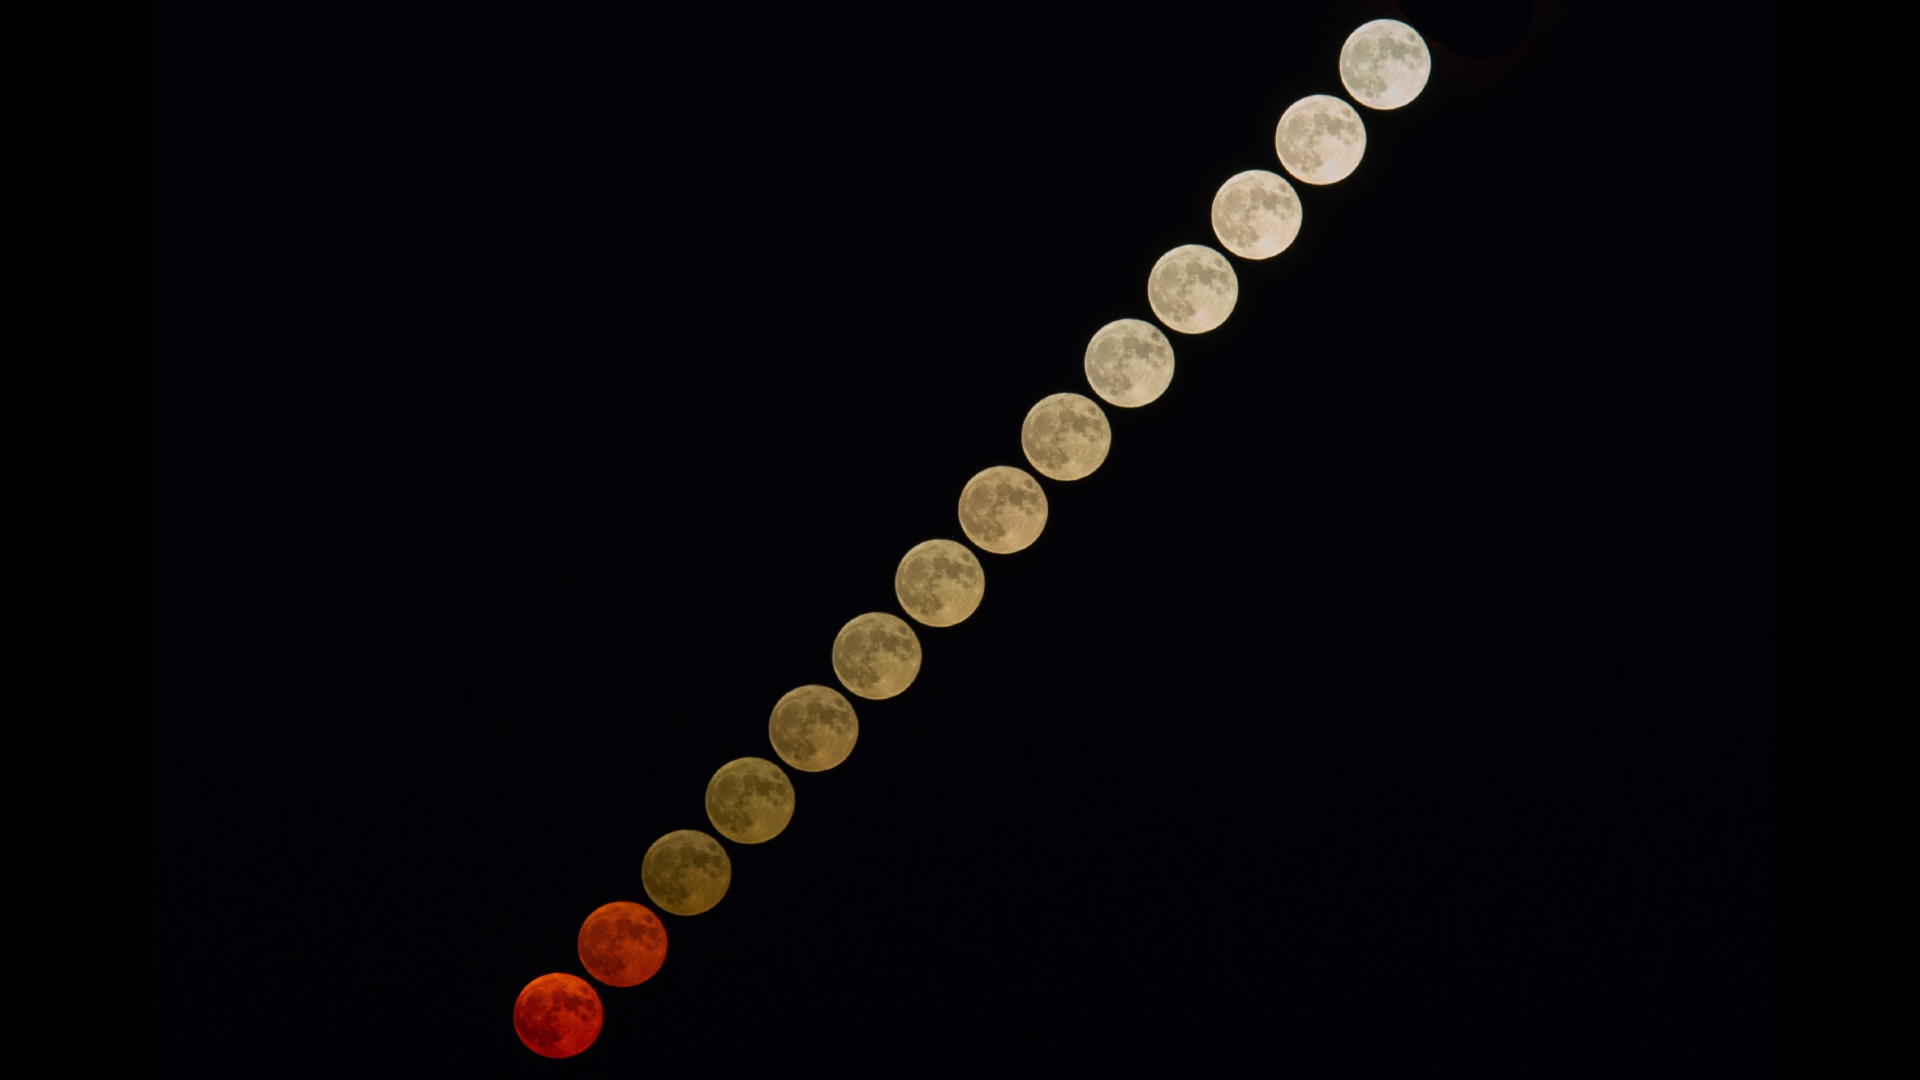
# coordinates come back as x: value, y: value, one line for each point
x: 622, y: 943
x: 557, y: 1015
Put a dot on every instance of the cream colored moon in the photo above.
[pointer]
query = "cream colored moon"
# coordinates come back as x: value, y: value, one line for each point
x: 813, y: 728
x: 1385, y: 64
x: 939, y: 583
x: 1066, y: 436
x: 1192, y: 289
x: 1320, y: 139
x: 1002, y: 510
x: 1129, y: 363
x: 876, y: 655
x: 686, y: 872
x: 1256, y: 214
x: 750, y: 800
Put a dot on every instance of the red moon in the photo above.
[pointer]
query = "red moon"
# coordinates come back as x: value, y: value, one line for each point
x: 622, y: 944
x: 557, y: 1015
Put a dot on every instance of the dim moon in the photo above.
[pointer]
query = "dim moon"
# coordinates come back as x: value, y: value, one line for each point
x: 686, y: 872
x: 1192, y: 289
x: 1384, y: 64
x: 1002, y: 510
x: 557, y: 1015
x: 1066, y: 436
x: 939, y: 583
x: 1129, y: 363
x: 622, y: 943
x: 750, y: 800
x: 876, y: 655
x: 1320, y: 139
x: 1256, y: 214
x: 813, y: 728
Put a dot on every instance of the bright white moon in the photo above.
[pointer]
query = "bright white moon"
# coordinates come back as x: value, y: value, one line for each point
x: 1192, y: 289
x: 1129, y: 363
x: 939, y: 583
x: 1320, y: 139
x: 1002, y: 510
x: 1066, y: 436
x: 813, y: 728
x: 876, y: 655
x: 1256, y: 214
x: 1384, y: 64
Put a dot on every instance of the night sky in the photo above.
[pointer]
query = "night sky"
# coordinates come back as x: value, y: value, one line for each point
x: 535, y: 394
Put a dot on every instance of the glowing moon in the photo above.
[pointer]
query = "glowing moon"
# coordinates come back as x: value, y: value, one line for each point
x: 1256, y: 214
x: 557, y: 1015
x: 750, y: 800
x: 876, y: 655
x: 813, y: 728
x: 1066, y: 436
x: 1320, y: 139
x: 622, y: 943
x: 939, y: 583
x: 1002, y: 510
x: 686, y: 872
x: 1385, y: 64
x: 1129, y: 363
x: 1192, y: 289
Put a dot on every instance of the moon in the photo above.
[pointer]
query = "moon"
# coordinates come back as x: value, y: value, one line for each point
x: 1320, y: 139
x: 1002, y: 510
x: 813, y: 728
x: 557, y: 1015
x: 876, y: 655
x: 1066, y: 436
x: 750, y: 800
x: 1385, y: 64
x: 1192, y: 289
x: 622, y: 943
x: 1256, y: 215
x: 1129, y: 363
x: 939, y: 583
x: 686, y: 872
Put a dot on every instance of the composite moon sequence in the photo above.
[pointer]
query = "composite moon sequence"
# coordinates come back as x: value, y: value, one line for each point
x: 1320, y: 139
x: 1003, y: 510
x: 1129, y: 363
x: 876, y: 655
x: 939, y: 583
x: 1192, y: 289
x: 750, y: 800
x: 1256, y: 215
x: 686, y: 872
x: 557, y: 1015
x: 1066, y: 437
x: 1385, y: 64
x: 813, y: 728
x: 622, y: 944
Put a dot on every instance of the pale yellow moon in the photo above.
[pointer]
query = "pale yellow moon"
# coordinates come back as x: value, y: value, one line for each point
x: 1385, y: 64
x: 1129, y: 363
x: 686, y: 872
x: 813, y: 728
x: 1256, y: 214
x: 750, y: 800
x: 876, y: 655
x: 1002, y: 510
x: 1066, y: 436
x: 1192, y: 289
x: 939, y: 583
x: 1320, y: 139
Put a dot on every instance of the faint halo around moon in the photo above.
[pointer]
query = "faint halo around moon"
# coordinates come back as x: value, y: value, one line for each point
x: 1385, y: 64
x: 686, y: 872
x: 1192, y: 289
x: 876, y: 655
x: 622, y: 943
x: 1320, y: 139
x: 750, y: 800
x: 1129, y: 363
x: 557, y: 1015
x: 1003, y: 510
x: 1066, y: 436
x: 813, y: 728
x: 939, y: 583
x: 1256, y: 214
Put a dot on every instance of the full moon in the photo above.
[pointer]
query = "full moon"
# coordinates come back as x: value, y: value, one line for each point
x: 557, y: 1015
x: 1192, y: 289
x: 1384, y: 64
x: 1320, y: 139
x: 622, y: 943
x: 939, y: 583
x: 750, y: 800
x: 1002, y: 510
x: 1129, y: 363
x: 686, y: 872
x: 876, y: 655
x: 1256, y: 214
x: 1066, y: 436
x: 813, y: 728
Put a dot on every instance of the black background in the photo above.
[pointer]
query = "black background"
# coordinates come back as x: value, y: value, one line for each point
x: 535, y: 393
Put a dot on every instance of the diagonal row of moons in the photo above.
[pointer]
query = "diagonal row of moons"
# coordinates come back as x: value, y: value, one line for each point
x: 1129, y: 363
